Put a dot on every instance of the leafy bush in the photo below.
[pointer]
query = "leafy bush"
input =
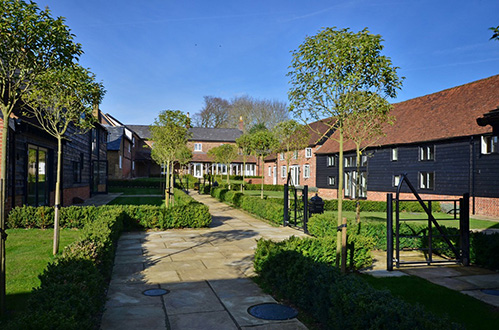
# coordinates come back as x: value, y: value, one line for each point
x: 143, y: 183
x: 336, y: 301
x: 484, y: 250
x: 73, y: 287
x: 375, y: 206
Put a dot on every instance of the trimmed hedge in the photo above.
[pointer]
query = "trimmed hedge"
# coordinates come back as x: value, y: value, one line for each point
x: 72, y: 292
x: 187, y: 212
x: 334, y: 300
x: 135, y: 183
x: 264, y: 208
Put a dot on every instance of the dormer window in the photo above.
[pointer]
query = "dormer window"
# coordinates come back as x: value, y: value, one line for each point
x: 308, y: 152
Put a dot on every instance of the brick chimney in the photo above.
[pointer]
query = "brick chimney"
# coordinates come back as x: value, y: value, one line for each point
x: 241, y: 124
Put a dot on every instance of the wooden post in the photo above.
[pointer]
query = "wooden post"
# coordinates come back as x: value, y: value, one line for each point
x: 344, y: 245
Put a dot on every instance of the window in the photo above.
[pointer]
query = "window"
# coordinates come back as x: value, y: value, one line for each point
x: 283, y: 171
x: 427, y: 153
x: 489, y: 145
x: 426, y: 180
x: 351, y: 184
x: 308, y: 152
x: 77, y: 169
x: 395, y: 154
x: 129, y: 147
x: 133, y: 165
x: 295, y: 154
x: 270, y: 171
x: 198, y: 147
x: 396, y: 180
x: 38, y: 176
x: 331, y: 180
x: 120, y: 162
x: 331, y: 161
x: 351, y: 161
x: 306, y: 171
x: 281, y: 156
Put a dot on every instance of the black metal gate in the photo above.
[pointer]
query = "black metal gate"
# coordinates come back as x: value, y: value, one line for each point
x: 297, y: 215
x: 459, y: 250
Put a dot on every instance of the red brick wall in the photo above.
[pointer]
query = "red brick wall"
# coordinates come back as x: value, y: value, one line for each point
x: 301, y: 161
x: 486, y: 206
x: 70, y: 193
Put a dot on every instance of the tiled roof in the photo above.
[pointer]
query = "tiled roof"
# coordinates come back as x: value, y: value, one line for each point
x: 318, y: 130
x: 447, y: 114
x: 141, y: 130
x: 214, y: 134
x: 115, y: 135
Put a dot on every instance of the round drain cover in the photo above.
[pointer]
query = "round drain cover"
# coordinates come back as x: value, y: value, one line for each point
x: 491, y: 292
x: 273, y: 311
x: 155, y: 292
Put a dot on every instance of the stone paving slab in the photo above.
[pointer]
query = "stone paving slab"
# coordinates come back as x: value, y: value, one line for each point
x: 204, y: 269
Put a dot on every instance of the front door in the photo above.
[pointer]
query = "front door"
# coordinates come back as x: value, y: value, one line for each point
x: 274, y: 175
x: 37, y: 176
x: 295, y: 175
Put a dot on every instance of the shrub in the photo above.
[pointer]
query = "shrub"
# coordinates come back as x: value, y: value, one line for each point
x: 336, y: 301
x: 484, y: 250
x: 375, y: 206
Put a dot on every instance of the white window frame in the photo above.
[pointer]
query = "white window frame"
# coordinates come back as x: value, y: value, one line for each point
x: 283, y: 171
x: 308, y: 152
x: 120, y: 162
x: 198, y: 147
x: 394, y: 154
x: 396, y: 180
x: 427, y: 153
x: 489, y: 144
x: 306, y: 171
x: 270, y: 170
x: 331, y: 181
x: 295, y: 154
x: 281, y: 156
x: 331, y: 161
x: 427, y: 180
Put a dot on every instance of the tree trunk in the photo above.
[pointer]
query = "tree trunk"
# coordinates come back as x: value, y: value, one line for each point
x: 228, y: 181
x: 167, y: 185
x: 57, y: 206
x: 357, y: 188
x: 3, y: 184
x: 263, y: 173
x: 172, y: 185
x: 244, y: 172
x: 340, y: 196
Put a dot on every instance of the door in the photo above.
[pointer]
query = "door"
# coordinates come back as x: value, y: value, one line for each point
x: 274, y: 175
x: 37, y: 176
x: 295, y: 175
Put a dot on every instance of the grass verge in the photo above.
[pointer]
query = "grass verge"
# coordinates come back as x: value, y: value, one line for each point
x: 122, y: 200
x: 470, y: 312
x: 28, y: 251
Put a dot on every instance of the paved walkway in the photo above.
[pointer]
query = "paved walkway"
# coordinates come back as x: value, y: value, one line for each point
x: 205, y: 270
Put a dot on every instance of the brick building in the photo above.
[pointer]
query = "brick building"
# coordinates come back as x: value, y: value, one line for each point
x: 302, y: 163
x: 437, y: 141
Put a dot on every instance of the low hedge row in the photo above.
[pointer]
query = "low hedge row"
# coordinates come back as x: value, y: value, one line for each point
x: 135, y: 183
x: 335, y: 301
x: 264, y: 208
x: 484, y: 248
x: 73, y: 287
x: 187, y: 212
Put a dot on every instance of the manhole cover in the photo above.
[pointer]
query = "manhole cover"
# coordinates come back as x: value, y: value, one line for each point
x: 155, y: 292
x: 491, y: 292
x: 273, y: 311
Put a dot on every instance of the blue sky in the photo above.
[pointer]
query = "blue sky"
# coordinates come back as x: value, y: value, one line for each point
x: 154, y: 55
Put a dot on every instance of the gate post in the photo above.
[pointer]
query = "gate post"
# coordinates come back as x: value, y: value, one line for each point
x: 464, y: 228
x: 389, y: 232
x: 305, y: 208
x: 286, y: 203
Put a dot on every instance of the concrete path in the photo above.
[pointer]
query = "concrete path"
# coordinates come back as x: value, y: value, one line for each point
x: 205, y: 270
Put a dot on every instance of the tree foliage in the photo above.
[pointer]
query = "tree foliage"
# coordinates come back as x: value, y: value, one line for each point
x: 224, y: 154
x: 61, y: 98
x: 31, y: 42
x: 291, y: 137
x: 327, y: 72
x: 495, y: 33
x: 170, y: 133
x: 263, y: 143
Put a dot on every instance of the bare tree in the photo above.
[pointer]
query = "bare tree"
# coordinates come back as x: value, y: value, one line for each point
x: 215, y: 113
x: 256, y: 112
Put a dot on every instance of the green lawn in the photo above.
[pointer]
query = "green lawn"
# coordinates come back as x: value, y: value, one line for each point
x: 136, y: 191
x: 28, y: 251
x: 271, y: 194
x: 470, y: 312
x: 123, y: 200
